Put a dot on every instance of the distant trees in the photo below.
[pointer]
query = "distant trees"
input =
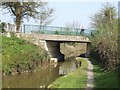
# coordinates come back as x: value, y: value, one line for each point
x: 73, y: 28
x: 25, y: 10
x: 45, y: 16
x: 105, y: 42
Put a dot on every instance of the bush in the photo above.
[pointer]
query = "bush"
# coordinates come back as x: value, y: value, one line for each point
x: 57, y: 32
x: 105, y: 42
x: 2, y: 26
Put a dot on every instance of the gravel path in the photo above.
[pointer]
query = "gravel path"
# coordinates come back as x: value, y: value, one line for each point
x: 90, y: 78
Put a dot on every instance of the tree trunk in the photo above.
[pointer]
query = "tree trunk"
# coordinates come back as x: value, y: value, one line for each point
x: 18, y: 23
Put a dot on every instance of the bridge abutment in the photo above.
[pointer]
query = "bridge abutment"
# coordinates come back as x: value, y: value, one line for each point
x: 54, y: 50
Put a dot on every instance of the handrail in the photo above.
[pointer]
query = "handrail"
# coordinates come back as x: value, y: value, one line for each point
x: 55, y: 30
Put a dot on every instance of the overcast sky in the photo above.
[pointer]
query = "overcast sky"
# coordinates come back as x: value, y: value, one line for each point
x: 67, y: 12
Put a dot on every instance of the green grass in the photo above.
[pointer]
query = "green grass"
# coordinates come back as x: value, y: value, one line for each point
x: 17, y: 51
x: 105, y: 79
x: 76, y: 79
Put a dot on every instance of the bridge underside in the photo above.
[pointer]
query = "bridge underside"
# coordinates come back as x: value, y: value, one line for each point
x: 54, y: 50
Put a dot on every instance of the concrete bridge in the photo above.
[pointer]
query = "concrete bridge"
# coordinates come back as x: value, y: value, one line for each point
x: 51, y: 43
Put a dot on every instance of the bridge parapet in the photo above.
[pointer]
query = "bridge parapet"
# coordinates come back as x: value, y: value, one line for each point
x: 60, y: 38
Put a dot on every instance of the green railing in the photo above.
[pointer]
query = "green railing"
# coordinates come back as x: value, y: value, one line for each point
x: 55, y: 30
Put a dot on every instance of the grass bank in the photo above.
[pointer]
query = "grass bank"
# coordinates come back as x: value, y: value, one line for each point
x: 19, y: 55
x: 76, y: 79
x: 105, y: 79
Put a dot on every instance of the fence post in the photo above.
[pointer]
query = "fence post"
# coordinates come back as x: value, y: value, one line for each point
x: 23, y: 28
x: 7, y: 27
x: 31, y: 29
x: 61, y: 31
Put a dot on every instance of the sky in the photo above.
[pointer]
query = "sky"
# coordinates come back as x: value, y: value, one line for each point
x: 67, y: 12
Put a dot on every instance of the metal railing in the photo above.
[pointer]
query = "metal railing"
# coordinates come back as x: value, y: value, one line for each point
x: 54, y: 30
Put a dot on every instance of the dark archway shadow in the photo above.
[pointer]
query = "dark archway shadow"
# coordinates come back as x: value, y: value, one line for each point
x: 84, y: 55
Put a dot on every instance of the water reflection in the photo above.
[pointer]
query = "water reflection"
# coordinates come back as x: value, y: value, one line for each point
x: 67, y: 67
x: 43, y: 77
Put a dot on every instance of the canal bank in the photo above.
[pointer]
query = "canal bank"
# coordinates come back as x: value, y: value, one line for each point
x: 42, y: 78
x: 19, y: 55
x: 75, y: 79
x: 23, y: 58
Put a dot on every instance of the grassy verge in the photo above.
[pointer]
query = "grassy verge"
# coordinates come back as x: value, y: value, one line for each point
x: 19, y: 55
x: 105, y: 79
x: 76, y: 79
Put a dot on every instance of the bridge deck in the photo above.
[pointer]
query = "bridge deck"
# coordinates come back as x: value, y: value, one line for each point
x: 61, y: 38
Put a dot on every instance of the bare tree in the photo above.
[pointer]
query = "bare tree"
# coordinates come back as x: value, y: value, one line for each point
x: 73, y: 27
x: 46, y: 16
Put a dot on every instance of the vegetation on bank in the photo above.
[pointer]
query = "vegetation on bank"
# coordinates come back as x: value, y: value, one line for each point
x: 104, y: 43
x: 104, y: 79
x: 19, y: 55
x: 76, y: 79
x: 104, y: 47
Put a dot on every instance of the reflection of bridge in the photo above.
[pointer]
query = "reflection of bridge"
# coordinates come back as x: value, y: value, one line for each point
x: 51, y: 43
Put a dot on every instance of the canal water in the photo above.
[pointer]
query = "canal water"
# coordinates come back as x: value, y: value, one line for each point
x: 41, y: 78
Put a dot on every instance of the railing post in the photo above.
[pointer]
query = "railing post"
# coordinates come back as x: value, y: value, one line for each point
x: 23, y: 28
x: 31, y: 29
x: 61, y: 32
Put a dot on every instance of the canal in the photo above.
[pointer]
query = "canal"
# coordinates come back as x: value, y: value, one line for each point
x: 42, y: 78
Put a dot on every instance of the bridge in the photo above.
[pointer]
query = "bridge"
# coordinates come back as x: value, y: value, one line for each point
x: 50, y: 37
x: 51, y: 43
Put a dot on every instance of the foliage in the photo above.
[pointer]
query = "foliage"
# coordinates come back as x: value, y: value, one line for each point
x: 57, y: 32
x: 18, y: 52
x: 76, y: 79
x: 105, y: 42
x: 104, y: 79
x: 22, y: 10
x: 2, y: 26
